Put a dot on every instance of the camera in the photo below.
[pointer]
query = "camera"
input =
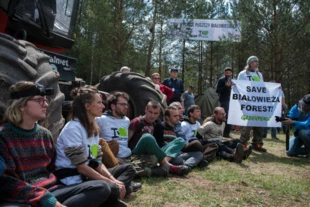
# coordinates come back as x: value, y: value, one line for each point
x: 280, y: 119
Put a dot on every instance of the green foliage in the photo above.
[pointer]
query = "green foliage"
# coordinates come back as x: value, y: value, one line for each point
x: 114, y: 33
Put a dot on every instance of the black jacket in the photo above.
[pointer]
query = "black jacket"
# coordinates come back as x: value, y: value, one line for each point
x: 223, y: 90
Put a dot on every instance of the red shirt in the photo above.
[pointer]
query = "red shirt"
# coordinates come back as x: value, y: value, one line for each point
x: 166, y: 90
x: 139, y: 130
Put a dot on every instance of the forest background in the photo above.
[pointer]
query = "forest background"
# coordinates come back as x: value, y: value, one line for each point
x: 114, y: 33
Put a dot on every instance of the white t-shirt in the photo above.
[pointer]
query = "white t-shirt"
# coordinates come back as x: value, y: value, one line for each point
x: 251, y: 76
x: 190, y: 130
x: 112, y: 128
x: 74, y: 135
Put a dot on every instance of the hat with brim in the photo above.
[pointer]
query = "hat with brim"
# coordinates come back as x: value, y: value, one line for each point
x: 305, y: 100
x: 174, y: 69
x: 228, y: 69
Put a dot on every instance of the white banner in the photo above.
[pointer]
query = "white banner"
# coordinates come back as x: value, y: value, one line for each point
x: 255, y: 104
x: 203, y: 29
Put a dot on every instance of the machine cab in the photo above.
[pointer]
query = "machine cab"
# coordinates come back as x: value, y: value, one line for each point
x: 49, y: 24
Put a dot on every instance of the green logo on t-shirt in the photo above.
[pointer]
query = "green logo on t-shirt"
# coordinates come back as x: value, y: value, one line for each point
x: 256, y: 78
x: 94, y: 150
x: 122, y: 132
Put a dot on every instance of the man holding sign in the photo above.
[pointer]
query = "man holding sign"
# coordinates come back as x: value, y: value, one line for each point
x: 251, y: 73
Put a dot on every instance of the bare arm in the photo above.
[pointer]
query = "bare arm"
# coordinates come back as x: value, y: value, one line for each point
x: 87, y: 171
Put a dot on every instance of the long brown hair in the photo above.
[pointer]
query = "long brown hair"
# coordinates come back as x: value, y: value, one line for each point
x: 81, y: 96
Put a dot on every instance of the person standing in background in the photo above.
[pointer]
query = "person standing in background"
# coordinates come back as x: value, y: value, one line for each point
x: 251, y: 73
x: 188, y: 99
x: 164, y: 89
x: 175, y: 84
x: 223, y: 88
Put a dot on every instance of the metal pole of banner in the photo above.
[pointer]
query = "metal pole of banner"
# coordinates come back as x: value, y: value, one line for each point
x: 211, y: 64
x: 287, y: 137
x: 183, y: 61
x: 200, y: 68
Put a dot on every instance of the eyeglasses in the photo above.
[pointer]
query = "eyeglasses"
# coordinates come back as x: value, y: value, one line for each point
x: 41, y: 101
x: 156, y: 78
x: 123, y: 104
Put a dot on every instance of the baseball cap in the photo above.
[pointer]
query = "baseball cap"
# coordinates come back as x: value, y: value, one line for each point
x: 305, y: 100
x: 228, y: 69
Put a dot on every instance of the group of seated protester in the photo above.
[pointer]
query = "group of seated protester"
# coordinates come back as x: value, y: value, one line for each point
x: 98, y: 154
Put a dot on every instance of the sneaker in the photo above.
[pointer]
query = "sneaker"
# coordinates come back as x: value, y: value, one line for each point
x: 135, y: 186
x: 203, y: 163
x: 247, y: 151
x: 265, y: 136
x: 238, y: 154
x: 179, y: 170
x: 259, y: 147
x: 159, y: 172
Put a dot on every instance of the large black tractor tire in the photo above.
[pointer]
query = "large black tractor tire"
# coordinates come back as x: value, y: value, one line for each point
x: 139, y: 89
x: 19, y: 60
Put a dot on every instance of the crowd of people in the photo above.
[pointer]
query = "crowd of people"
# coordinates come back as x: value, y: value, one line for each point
x: 100, y: 151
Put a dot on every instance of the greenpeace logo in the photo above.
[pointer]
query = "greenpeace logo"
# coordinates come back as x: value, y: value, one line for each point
x: 256, y: 118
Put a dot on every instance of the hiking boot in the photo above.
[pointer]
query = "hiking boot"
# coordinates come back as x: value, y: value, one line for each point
x: 179, y: 170
x: 308, y: 156
x: 238, y: 154
x: 203, y: 163
x: 247, y: 151
x: 135, y: 186
x: 275, y: 138
x: 129, y: 190
x: 258, y: 147
x: 159, y: 172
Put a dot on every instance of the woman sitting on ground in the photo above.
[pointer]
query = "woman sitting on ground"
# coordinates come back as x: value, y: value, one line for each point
x: 29, y: 156
x: 78, y: 152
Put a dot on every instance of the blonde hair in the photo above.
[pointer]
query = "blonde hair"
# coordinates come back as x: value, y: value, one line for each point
x: 155, y: 74
x: 13, y: 114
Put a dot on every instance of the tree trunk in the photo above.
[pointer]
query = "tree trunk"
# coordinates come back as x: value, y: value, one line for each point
x: 150, y: 48
x: 183, y: 61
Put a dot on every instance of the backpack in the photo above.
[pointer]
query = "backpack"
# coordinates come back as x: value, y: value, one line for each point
x: 209, y: 151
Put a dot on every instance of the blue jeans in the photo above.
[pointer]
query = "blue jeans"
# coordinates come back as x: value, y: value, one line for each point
x: 273, y: 132
x: 299, y: 145
x: 191, y: 159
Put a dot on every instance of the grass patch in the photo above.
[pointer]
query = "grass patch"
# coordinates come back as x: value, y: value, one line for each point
x: 264, y: 179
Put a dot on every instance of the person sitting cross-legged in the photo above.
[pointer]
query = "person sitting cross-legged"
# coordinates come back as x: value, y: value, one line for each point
x: 212, y: 131
x: 114, y: 125
x: 79, y: 156
x: 192, y: 152
x: 165, y: 135
x: 141, y: 141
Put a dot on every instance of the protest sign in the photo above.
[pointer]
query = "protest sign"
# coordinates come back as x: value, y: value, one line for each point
x: 204, y: 29
x: 255, y: 104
